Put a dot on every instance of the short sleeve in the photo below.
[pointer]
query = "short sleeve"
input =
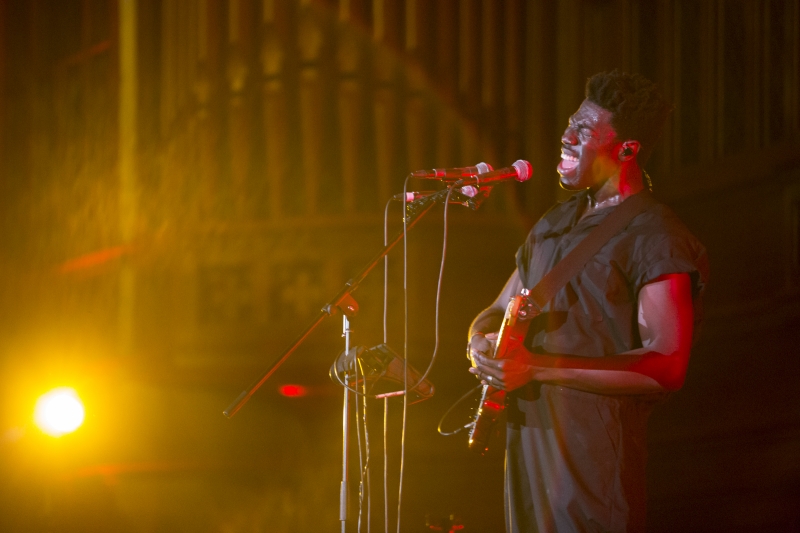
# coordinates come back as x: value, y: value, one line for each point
x: 674, y: 254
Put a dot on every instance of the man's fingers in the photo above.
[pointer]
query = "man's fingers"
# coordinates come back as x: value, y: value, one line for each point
x: 494, y: 382
x: 487, y: 376
x: 489, y: 362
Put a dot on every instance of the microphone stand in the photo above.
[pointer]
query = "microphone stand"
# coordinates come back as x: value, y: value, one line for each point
x: 344, y: 303
x: 344, y: 487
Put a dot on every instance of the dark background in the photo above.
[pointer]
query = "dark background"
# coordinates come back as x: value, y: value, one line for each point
x: 184, y: 184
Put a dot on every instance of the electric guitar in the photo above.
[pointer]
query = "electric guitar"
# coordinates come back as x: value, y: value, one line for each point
x: 510, y: 337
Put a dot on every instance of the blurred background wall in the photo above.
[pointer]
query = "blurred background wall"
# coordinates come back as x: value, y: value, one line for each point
x: 183, y: 184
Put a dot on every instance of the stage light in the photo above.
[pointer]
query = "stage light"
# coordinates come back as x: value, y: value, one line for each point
x: 59, y: 412
x: 293, y: 391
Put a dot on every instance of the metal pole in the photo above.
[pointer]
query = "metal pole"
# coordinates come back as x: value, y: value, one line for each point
x: 344, y: 488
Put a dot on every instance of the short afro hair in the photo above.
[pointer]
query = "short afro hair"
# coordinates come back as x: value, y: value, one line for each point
x: 639, y: 110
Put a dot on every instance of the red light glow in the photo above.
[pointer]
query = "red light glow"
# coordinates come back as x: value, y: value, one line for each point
x: 492, y: 405
x: 293, y: 391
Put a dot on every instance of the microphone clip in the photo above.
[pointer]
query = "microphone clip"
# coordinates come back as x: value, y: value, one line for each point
x: 458, y: 196
x: 383, y: 370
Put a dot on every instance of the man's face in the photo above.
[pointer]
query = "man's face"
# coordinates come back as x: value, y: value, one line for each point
x: 588, y: 149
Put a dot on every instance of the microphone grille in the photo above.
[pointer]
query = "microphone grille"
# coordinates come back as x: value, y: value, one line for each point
x: 483, y: 168
x: 524, y: 170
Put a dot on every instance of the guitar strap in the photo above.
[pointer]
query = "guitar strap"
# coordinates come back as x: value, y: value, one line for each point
x: 569, y: 266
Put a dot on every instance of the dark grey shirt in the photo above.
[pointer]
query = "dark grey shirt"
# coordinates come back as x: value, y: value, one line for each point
x: 576, y: 460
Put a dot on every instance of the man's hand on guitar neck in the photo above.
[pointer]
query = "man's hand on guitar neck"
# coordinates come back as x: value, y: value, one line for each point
x: 481, y: 344
x: 480, y: 347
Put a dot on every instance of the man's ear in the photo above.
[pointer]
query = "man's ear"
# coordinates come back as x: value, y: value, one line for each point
x: 628, y: 150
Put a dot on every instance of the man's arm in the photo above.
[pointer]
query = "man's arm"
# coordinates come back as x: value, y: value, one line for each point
x: 665, y: 325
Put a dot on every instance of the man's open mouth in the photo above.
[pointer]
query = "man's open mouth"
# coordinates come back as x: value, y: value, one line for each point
x: 568, y: 162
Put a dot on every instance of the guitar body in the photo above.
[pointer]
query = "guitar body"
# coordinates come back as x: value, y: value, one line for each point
x: 510, y: 338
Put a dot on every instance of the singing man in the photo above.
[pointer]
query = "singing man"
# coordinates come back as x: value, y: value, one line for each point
x: 612, y: 342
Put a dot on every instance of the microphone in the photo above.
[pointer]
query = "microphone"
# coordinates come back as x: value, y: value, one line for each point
x: 469, y: 191
x: 521, y: 171
x: 452, y: 174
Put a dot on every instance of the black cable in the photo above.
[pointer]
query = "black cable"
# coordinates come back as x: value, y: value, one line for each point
x: 436, y: 327
x: 385, y: 341
x: 405, y: 353
x: 335, y: 376
x: 438, y: 290
x: 386, y: 270
x: 450, y: 409
x: 357, y: 366
x: 333, y: 373
x: 367, y: 462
